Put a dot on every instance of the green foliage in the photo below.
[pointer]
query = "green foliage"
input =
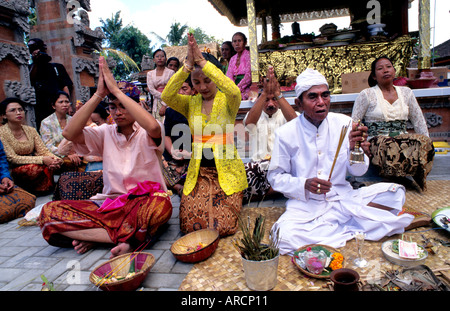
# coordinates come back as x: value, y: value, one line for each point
x: 132, y: 41
x: 124, y: 62
x: 127, y: 45
x: 111, y: 28
x: 32, y: 17
x: 176, y: 33
x: 178, y: 36
x: 251, y: 246
x: 47, y: 286
x: 200, y: 36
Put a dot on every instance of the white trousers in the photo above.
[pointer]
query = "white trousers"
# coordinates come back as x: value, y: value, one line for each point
x: 344, y: 217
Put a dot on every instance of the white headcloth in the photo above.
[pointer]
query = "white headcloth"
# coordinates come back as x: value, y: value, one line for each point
x: 307, y: 79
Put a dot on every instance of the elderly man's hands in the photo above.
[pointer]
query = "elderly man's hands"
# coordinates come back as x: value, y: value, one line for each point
x: 359, y: 133
x: 317, y: 185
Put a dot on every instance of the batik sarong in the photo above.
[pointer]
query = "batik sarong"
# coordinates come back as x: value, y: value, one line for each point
x: 15, y: 204
x: 403, y: 155
x: 78, y: 185
x: 207, y: 206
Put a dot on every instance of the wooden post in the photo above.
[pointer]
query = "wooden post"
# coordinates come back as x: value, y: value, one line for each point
x: 424, y: 35
x: 253, y: 43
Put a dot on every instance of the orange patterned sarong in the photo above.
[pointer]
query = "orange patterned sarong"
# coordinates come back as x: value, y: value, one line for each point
x: 133, y: 223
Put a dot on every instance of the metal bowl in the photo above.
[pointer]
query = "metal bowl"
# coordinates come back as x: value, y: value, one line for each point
x: 393, y: 257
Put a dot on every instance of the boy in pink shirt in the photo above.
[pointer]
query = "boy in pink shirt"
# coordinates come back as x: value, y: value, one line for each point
x: 131, y: 150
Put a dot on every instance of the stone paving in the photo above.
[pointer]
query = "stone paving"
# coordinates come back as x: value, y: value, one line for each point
x: 25, y: 255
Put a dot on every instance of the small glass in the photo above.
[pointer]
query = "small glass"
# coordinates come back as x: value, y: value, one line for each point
x: 360, y: 262
x: 315, y: 261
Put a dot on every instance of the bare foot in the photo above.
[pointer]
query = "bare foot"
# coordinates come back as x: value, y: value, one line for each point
x: 82, y: 247
x: 120, y: 249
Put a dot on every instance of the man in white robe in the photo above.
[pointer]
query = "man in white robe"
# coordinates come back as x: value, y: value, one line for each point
x: 318, y: 210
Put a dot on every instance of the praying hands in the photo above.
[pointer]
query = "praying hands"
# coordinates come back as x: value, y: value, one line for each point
x: 194, y: 56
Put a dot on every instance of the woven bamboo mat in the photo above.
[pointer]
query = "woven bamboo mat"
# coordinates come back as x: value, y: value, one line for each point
x: 223, y: 270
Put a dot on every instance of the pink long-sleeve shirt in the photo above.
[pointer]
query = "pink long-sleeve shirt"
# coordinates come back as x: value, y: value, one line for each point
x: 243, y: 69
x: 125, y: 162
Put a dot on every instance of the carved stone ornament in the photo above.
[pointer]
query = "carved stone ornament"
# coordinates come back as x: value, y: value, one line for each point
x: 86, y: 64
x: 433, y: 119
x: 84, y: 4
x: 147, y: 63
x: 81, y: 32
x: 19, y: 53
x: 20, y: 15
x: 23, y: 92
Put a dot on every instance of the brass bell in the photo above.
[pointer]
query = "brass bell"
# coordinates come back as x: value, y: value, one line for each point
x: 357, y: 154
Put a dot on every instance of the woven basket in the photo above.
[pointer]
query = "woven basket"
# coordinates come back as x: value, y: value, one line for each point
x: 120, y: 266
x: 324, y: 274
x: 209, y: 237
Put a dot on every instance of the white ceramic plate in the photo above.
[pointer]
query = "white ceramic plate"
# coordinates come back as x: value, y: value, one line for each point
x: 439, y: 216
x: 393, y: 257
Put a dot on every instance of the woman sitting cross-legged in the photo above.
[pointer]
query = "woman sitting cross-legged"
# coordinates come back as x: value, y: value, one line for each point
x: 133, y: 204
x: 51, y: 133
x: 385, y: 110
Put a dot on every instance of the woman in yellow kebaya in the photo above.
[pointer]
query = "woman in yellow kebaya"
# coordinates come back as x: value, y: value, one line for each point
x: 212, y: 194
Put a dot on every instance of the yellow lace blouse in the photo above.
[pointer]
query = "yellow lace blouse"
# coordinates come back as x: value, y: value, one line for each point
x: 230, y: 169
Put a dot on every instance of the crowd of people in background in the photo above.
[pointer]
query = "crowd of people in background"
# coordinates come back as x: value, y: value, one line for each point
x: 142, y: 150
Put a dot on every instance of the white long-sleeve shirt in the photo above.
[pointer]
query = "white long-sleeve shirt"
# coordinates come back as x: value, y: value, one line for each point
x: 302, y: 151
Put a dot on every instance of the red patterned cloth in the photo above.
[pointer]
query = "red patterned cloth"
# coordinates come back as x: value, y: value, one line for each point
x: 137, y: 220
x: 34, y: 178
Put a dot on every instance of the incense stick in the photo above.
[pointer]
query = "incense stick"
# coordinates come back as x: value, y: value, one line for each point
x: 341, y: 140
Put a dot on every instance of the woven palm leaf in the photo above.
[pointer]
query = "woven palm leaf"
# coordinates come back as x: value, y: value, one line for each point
x: 120, y: 267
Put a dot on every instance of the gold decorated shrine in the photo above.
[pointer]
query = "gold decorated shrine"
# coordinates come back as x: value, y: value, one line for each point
x: 333, y: 61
